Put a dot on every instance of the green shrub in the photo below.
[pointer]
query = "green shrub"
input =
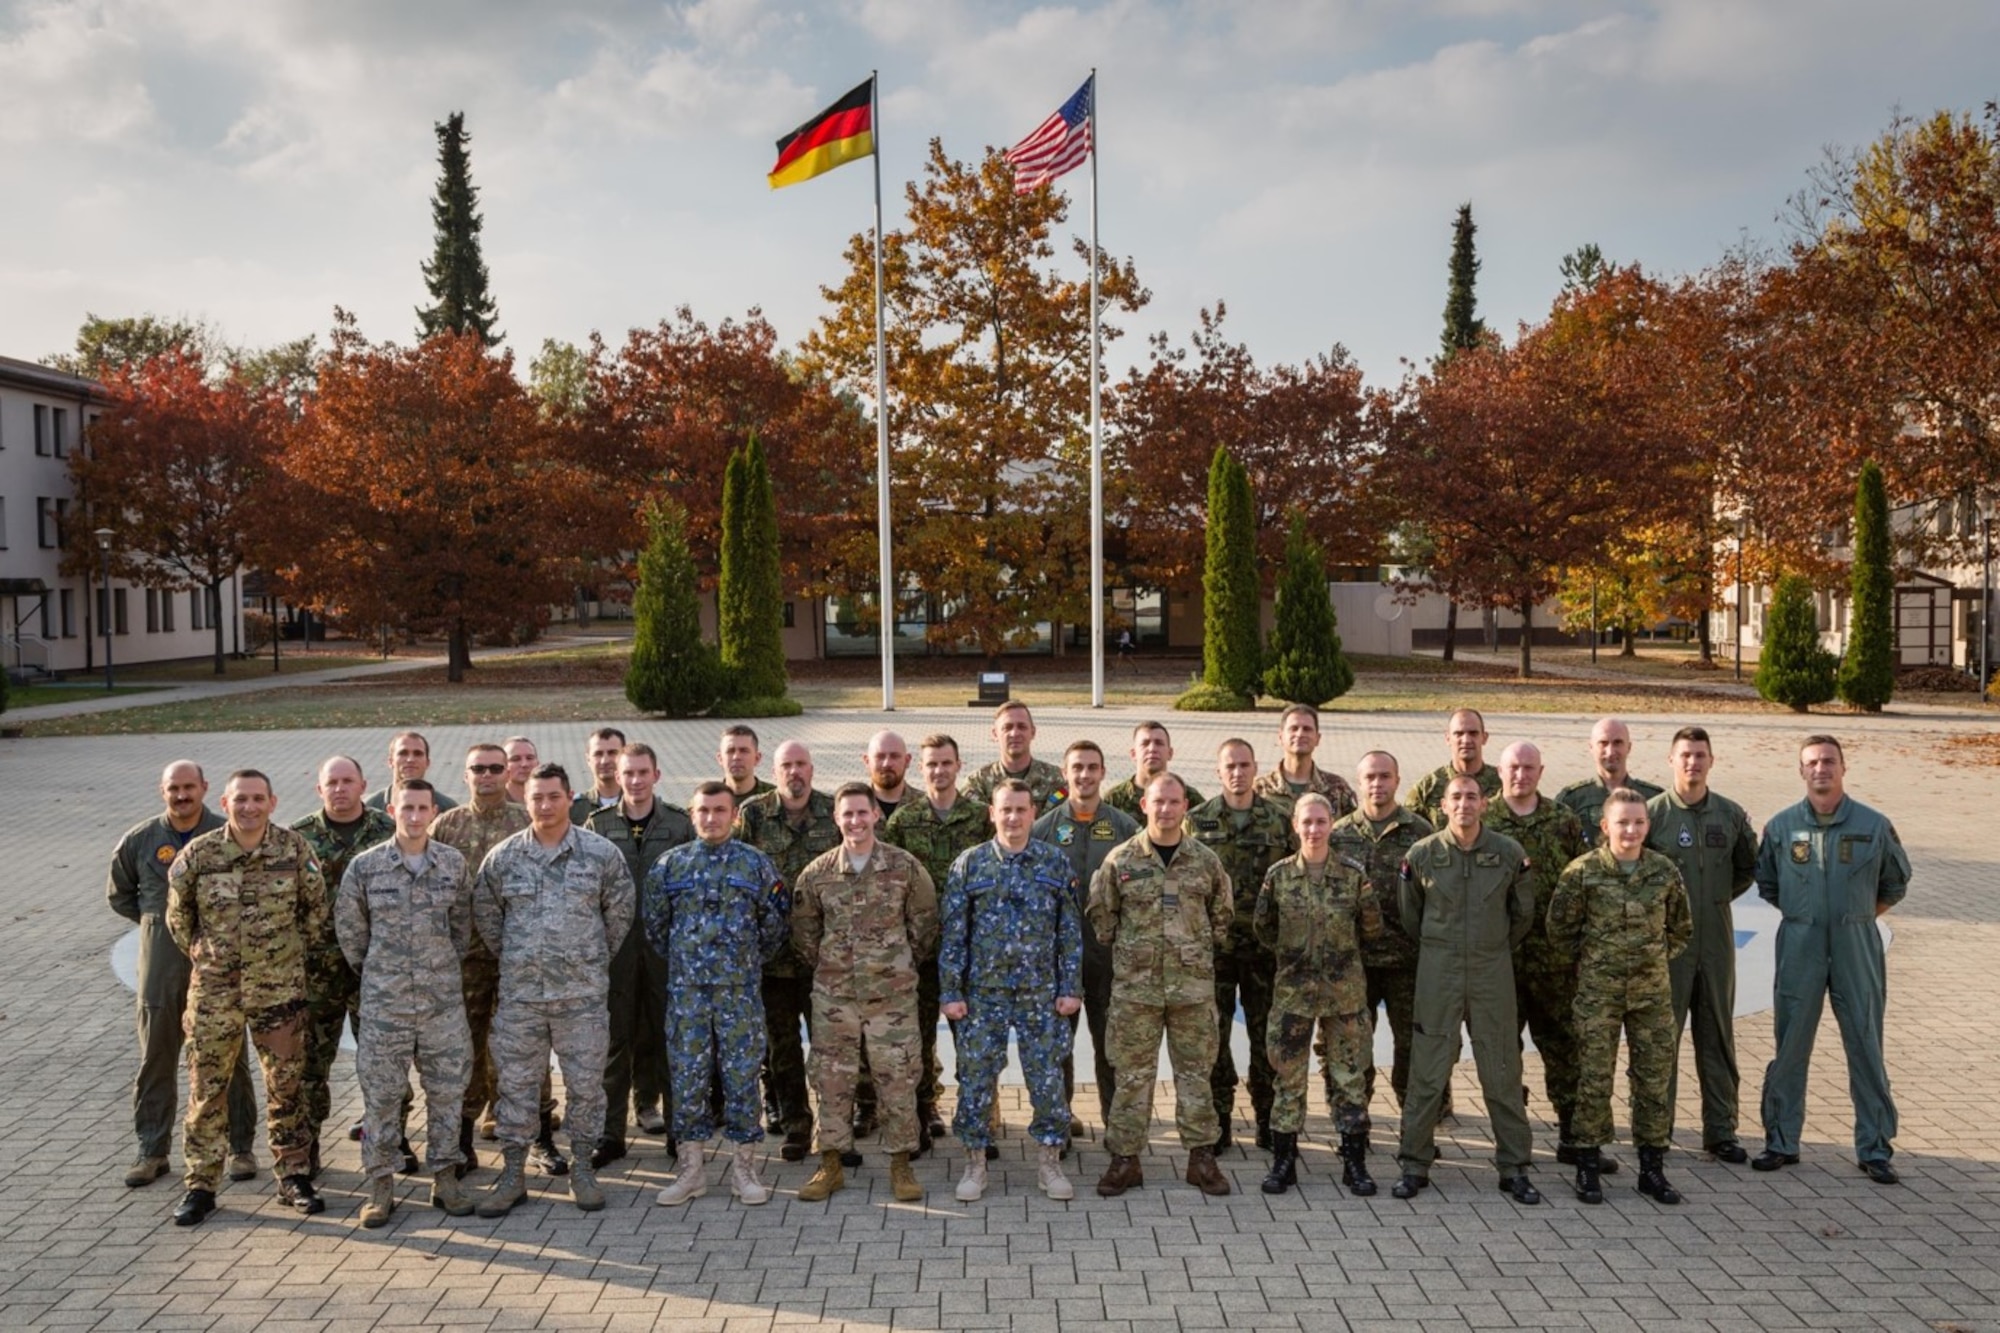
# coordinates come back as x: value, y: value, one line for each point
x: 1868, y: 670
x: 1303, y: 662
x: 1792, y: 668
x: 673, y: 670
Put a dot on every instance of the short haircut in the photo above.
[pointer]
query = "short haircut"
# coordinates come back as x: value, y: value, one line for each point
x: 418, y: 784
x: 481, y: 747
x: 1237, y: 740
x: 847, y: 789
x: 1394, y: 762
x: 551, y: 771
x: 1313, y: 798
x: 608, y: 734
x: 640, y: 750
x: 1691, y: 735
x: 937, y: 740
x: 1089, y: 745
x: 1474, y: 711
x: 1821, y: 738
x: 1160, y: 727
x: 1012, y: 705
x: 1168, y: 776
x: 713, y: 787
x: 249, y: 775
x: 738, y: 729
x: 1458, y: 778
x: 1007, y: 785
x: 1300, y: 710
x: 528, y: 741
x: 410, y: 736
x: 1624, y: 796
x: 337, y: 758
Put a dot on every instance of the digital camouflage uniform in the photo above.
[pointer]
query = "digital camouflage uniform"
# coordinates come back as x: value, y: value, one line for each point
x: 1388, y: 959
x: 332, y: 989
x: 475, y: 832
x: 1585, y: 800
x: 1046, y: 783
x: 1086, y: 844
x: 1313, y: 920
x: 1126, y: 796
x: 246, y: 920
x: 936, y: 840
x: 1713, y: 845
x: 1426, y: 797
x: 1467, y: 910
x: 716, y: 915
x: 1164, y: 924
x: 554, y: 916
x: 405, y: 932
x: 1010, y: 944
x: 1273, y: 785
x: 1248, y: 842
x: 635, y: 1069
x: 860, y: 932
x: 765, y: 824
x: 1827, y: 878
x: 1544, y: 982
x: 378, y: 800
x: 137, y: 891
x: 1620, y: 925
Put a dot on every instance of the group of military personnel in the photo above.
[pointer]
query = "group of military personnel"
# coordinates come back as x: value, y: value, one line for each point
x: 675, y: 961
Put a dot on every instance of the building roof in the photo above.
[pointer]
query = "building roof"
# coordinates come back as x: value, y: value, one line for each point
x: 43, y: 379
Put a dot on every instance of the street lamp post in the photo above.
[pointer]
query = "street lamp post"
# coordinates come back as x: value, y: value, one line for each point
x: 1985, y: 594
x: 103, y: 536
x: 1742, y: 530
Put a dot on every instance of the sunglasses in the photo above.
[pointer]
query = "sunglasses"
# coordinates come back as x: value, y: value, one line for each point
x: 485, y: 769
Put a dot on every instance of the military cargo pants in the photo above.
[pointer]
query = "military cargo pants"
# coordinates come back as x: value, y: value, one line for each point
x: 162, y: 1019
x: 716, y: 1036
x: 1041, y: 1036
x: 1496, y: 1050
x: 332, y: 994
x: 928, y: 1075
x: 1097, y: 1013
x: 1135, y: 1030
x: 787, y: 1008
x: 440, y: 1046
x: 524, y: 1033
x: 1246, y: 974
x: 215, y: 1027
x: 1545, y: 996
x: 839, y: 1027
x: 1704, y: 987
x: 1393, y: 991
x: 482, y: 993
x: 1345, y: 1040
x: 635, y: 1067
x: 1644, y: 1011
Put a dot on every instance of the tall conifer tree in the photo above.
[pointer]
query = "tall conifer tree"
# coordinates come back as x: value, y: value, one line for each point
x: 1462, y: 330
x: 1868, y: 671
x: 455, y: 273
x: 750, y: 598
x: 1231, y: 649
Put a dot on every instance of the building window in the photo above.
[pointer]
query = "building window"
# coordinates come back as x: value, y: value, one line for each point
x: 197, y: 610
x: 789, y: 613
x: 68, y: 600
x: 48, y: 621
x: 60, y: 431
x: 42, y: 429
x: 152, y: 610
x: 121, y: 606
x: 3, y: 522
x: 48, y: 522
x: 166, y: 613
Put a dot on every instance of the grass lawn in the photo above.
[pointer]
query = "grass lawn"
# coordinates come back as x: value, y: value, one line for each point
x: 195, y: 671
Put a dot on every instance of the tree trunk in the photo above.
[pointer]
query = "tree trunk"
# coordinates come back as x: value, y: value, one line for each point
x: 213, y: 592
x: 458, y: 653
x: 1704, y: 632
x: 1450, y: 630
x: 1527, y: 637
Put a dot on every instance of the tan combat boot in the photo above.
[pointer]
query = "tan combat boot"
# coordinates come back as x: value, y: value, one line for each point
x: 903, y: 1181
x: 972, y: 1185
x: 1053, y: 1182
x: 145, y: 1171
x: 743, y: 1181
x: 689, y: 1181
x: 448, y: 1193
x: 381, y: 1202
x: 510, y: 1187
x: 584, y: 1190
x: 826, y: 1180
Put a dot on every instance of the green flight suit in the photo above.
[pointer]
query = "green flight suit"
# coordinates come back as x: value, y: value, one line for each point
x: 1827, y: 879
x: 1713, y: 846
x: 1467, y: 910
x: 1586, y: 798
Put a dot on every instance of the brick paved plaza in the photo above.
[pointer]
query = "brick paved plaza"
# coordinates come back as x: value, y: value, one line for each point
x: 1817, y: 1246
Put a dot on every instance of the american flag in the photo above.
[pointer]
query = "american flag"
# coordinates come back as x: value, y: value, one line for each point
x: 1057, y: 145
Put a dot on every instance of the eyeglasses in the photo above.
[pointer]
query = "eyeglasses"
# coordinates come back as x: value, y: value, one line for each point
x: 484, y: 770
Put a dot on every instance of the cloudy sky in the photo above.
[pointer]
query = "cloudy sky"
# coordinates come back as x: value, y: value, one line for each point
x: 256, y: 164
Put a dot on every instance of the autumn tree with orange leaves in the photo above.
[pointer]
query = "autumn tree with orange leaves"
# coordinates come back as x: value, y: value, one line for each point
x: 436, y: 496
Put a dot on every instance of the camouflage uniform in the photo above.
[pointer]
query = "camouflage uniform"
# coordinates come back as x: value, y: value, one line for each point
x: 1389, y: 959
x: 1249, y: 842
x: 1585, y: 800
x: 1164, y: 924
x: 1715, y: 849
x: 1426, y: 798
x: 717, y: 915
x: 1010, y: 945
x: 1274, y: 786
x: 137, y: 890
x: 1467, y: 910
x: 860, y: 933
x: 1086, y: 846
x: 378, y: 800
x: 246, y: 920
x: 405, y: 931
x: 765, y: 824
x: 1125, y: 796
x: 332, y: 989
x: 1312, y: 919
x: 554, y: 916
x: 588, y: 802
x: 635, y: 1071
x: 1544, y: 982
x: 475, y: 832
x: 1621, y: 924
x: 1046, y: 783
x: 936, y: 840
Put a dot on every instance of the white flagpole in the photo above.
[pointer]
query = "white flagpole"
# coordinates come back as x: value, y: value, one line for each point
x: 1096, y: 442
x: 887, y: 604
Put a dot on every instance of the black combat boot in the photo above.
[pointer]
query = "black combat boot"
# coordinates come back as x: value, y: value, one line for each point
x: 1653, y: 1176
x: 1284, y: 1163
x: 1588, y: 1188
x: 544, y: 1154
x: 468, y: 1160
x: 1354, y: 1164
x: 1264, y: 1127
x: 1567, y: 1152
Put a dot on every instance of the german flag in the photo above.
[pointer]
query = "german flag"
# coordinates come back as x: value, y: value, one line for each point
x: 840, y: 134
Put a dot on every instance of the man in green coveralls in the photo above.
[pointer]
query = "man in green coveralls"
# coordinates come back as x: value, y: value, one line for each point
x: 1610, y: 748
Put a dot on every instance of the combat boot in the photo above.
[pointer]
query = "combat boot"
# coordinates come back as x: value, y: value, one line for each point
x: 1567, y: 1152
x: 381, y: 1202
x: 1050, y: 1175
x: 902, y: 1180
x: 448, y: 1194
x: 1354, y: 1164
x: 1121, y: 1175
x: 297, y: 1192
x: 1653, y: 1176
x: 689, y: 1181
x: 743, y: 1180
x: 1284, y: 1171
x: 972, y: 1185
x: 468, y: 1159
x: 509, y: 1187
x: 830, y: 1177
x: 548, y: 1159
x: 1204, y: 1174
x: 584, y: 1190
x: 1589, y: 1188
x: 1264, y: 1129
x: 1225, y: 1111
x: 145, y: 1171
